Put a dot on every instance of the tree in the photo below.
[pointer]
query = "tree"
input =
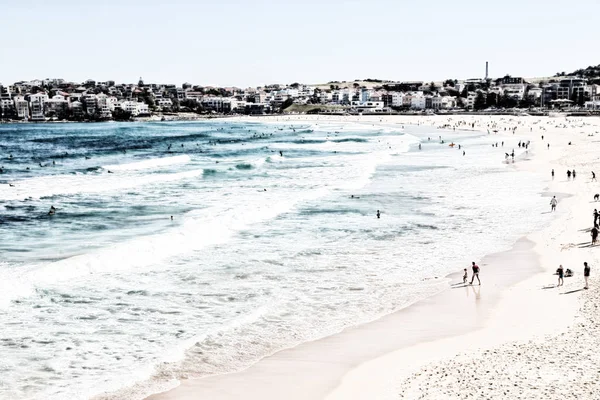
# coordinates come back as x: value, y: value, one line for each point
x: 479, y: 103
x: 295, y: 85
x: 287, y: 103
x: 491, y: 100
x: 432, y: 87
x: 121, y: 115
x: 449, y: 82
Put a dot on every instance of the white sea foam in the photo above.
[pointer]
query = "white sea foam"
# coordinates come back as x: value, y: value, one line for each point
x: 154, y: 163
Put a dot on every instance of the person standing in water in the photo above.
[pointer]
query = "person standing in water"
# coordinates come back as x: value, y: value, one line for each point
x: 586, y: 274
x: 475, y: 268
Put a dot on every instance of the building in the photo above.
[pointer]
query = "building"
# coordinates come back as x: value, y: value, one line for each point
x: 164, y: 103
x: 21, y: 107
x: 57, y: 105
x: 418, y: 101
x: 77, y: 109
x: 217, y: 104
x: 89, y: 102
x: 37, y: 110
x: 509, y: 80
x: 369, y: 106
x: 592, y: 105
x: 102, y: 106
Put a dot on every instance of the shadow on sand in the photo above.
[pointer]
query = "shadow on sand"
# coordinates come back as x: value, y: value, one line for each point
x: 573, y: 291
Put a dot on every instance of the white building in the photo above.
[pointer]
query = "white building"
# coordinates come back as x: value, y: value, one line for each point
x: 22, y: 107
x: 418, y: 101
x: 592, y: 105
x: 102, y: 105
x: 143, y: 109
x: 443, y: 102
x: 129, y: 106
x: 39, y: 99
x: 516, y: 91
x: 163, y: 103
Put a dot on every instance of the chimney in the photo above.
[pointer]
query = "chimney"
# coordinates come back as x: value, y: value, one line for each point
x: 486, y: 70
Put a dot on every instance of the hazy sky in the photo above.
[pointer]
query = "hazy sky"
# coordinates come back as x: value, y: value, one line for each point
x: 249, y: 43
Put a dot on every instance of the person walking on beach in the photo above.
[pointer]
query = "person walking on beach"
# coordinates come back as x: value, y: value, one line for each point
x: 594, y: 235
x: 465, y: 276
x: 574, y: 174
x: 593, y: 176
x: 552, y: 173
x: 586, y: 274
x: 595, y: 217
x: 475, y: 273
x: 561, y: 273
x: 553, y: 203
x: 568, y: 174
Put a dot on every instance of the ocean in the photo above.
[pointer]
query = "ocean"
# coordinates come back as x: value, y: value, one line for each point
x: 273, y: 241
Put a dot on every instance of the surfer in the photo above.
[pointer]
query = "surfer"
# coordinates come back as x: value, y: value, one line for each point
x: 52, y: 210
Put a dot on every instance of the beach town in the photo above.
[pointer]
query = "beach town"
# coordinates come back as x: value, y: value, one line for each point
x: 300, y: 201
x: 59, y: 100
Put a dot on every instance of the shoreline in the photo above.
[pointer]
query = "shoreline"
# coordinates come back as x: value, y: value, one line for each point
x: 292, y: 366
x: 189, y: 116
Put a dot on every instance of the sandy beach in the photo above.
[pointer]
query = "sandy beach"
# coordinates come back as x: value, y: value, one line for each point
x: 515, y: 336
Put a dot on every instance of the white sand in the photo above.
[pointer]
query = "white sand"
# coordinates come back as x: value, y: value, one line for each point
x: 507, y: 340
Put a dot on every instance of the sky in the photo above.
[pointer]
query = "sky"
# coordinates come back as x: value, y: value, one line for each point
x: 252, y: 43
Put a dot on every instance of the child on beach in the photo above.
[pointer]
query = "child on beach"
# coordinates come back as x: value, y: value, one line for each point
x: 465, y: 276
x: 553, y: 203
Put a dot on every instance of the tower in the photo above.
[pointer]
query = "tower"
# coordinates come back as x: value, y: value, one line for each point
x: 486, y: 70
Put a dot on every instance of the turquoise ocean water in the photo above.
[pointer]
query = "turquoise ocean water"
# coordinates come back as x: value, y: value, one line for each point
x: 265, y: 250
